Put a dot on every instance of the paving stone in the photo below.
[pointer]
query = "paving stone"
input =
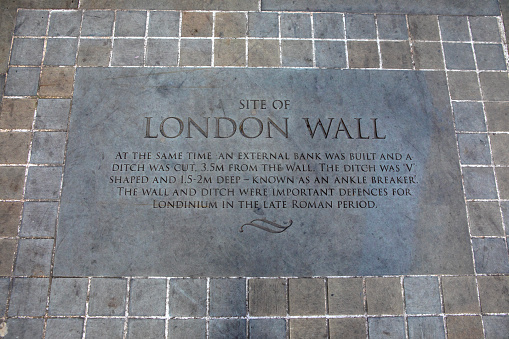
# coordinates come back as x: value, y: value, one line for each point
x: 423, y: 27
x: 107, y: 296
x: 505, y: 212
x: 460, y: 294
x: 263, y: 25
x: 227, y: 297
x: 147, y: 297
x: 295, y: 25
x: 4, y: 292
x: 163, y: 24
x: 145, y: 328
x: 27, y: 52
x: 7, y: 248
x: 68, y: 296
x: 503, y: 181
x: 267, y: 328
x: 469, y: 116
x: 48, y: 148
x: 64, y: 328
x: 43, y: 182
x: 330, y: 54
x: 297, y: 53
x: 263, y: 53
x: 393, y: 27
x: 10, y: 213
x: 386, y: 327
x: 56, y: 82
x: 130, y: 23
x: 7, y: 24
x: 345, y: 296
x: 196, y: 24
x: 61, y: 52
x: 490, y: 57
x: 34, y: 257
x: 490, y: 255
x: 128, y: 52
x: 464, y: 327
x: 28, y: 297
x: 485, y: 218
x: 52, y: 113
x: 426, y: 327
x: 229, y: 5
x: 308, y: 328
x: 188, y: 297
x: 22, y: 81
x: 24, y: 328
x: 464, y: 86
x: 11, y: 182
x: 267, y: 297
x: 499, y: 148
x: 360, y: 26
x: 328, y: 26
x: 504, y: 7
x: 474, y: 149
x: 459, y: 56
x: 97, y: 23
x: 354, y: 328
x: 484, y: 29
x: 227, y: 328
x: 162, y: 52
x: 230, y: 52
x: 495, y: 86
x: 422, y: 295
x: 230, y: 25
x: 396, y: 54
x: 195, y: 52
x: 105, y: 328
x: 363, y: 54
x: 428, y: 55
x: 454, y: 28
x: 31, y: 23
x: 495, y: 326
x: 64, y: 23
x: 192, y: 328
x: 306, y: 296
x: 14, y: 148
x: 384, y: 296
x: 493, y: 292
x: 94, y: 52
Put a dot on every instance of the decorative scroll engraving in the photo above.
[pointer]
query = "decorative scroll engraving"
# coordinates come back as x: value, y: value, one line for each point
x: 278, y: 228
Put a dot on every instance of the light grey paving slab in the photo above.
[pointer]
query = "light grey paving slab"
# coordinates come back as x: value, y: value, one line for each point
x: 26, y: 52
x: 188, y: 297
x: 227, y: 328
x: 52, y: 113
x: 263, y: 25
x: 459, y: 56
x: 31, y: 22
x: 105, y: 328
x: 97, y: 23
x: 107, y: 296
x: 61, y: 52
x: 490, y: 255
x: 485, y: 218
x: 422, y: 295
x: 267, y: 328
x: 454, y: 28
x: 48, y: 148
x: 64, y: 328
x: 328, y: 26
x: 426, y: 327
x: 386, y: 327
x: 227, y: 297
x: 145, y: 328
x: 496, y: 326
x: 162, y: 52
x: 474, y: 149
x: 392, y: 27
x: 330, y: 54
x: 484, y: 29
x: 68, y: 296
x: 43, y: 182
x: 469, y: 116
x: 24, y: 328
x: 360, y: 26
x: 64, y: 23
x: 22, y: 81
x: 164, y: 24
x: 147, y: 297
x: 130, y: 23
x: 490, y: 57
x: 295, y: 25
x: 34, y: 257
x: 181, y: 328
x: 28, y: 297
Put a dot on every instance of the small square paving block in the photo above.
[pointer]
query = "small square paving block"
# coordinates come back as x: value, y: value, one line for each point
x: 464, y: 86
x: 130, y: 23
x: 495, y: 85
x: 162, y: 52
x: 503, y: 181
x: 94, y: 52
x: 307, y: 296
x: 28, y: 297
x: 499, y: 144
x: 328, y: 26
x: 354, y: 328
x: 485, y: 218
x: 128, y: 52
x: 454, y: 28
x: 26, y: 328
x: 227, y: 328
x: 27, y: 52
x: 7, y: 248
x: 64, y: 328
x: 68, y: 296
x: 97, y: 23
x: 227, y: 297
x: 56, y: 82
x: 460, y: 295
x: 147, y: 297
x: 145, y: 328
x: 188, y: 297
x: 297, y: 53
x: 384, y: 296
x: 196, y: 52
x: 230, y: 25
x: 230, y: 52
x: 426, y: 327
x: 196, y: 24
x: 479, y: 183
x: 263, y: 53
x: 494, y: 293
x: 191, y: 328
x: 31, y: 23
x: 308, y: 328
x: 497, y: 114
x: 43, y: 182
x: 163, y: 24
x: 64, y: 23
x: 496, y: 326
x: 267, y: 328
x: 396, y: 54
x: 423, y: 27
x: 422, y: 295
x: 295, y: 25
x: 428, y: 55
x: 490, y: 57
x: 263, y: 25
x: 469, y: 116
x: 330, y: 54
x: 386, y: 327
x: 107, y: 296
x: 52, y: 114
x: 363, y: 54
x: 14, y: 148
x: 48, y: 148
x: 34, y: 257
x: 484, y: 29
x: 464, y: 327
x: 105, y: 328
x: 17, y: 113
x: 459, y: 56
x: 267, y: 297
x: 392, y: 27
x: 360, y: 26
x: 10, y: 213
x: 22, y: 81
x: 11, y: 182
x: 474, y: 149
x: 490, y: 255
x: 345, y: 296
x: 61, y: 51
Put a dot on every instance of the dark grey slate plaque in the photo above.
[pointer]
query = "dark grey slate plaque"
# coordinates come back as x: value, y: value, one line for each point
x: 375, y: 215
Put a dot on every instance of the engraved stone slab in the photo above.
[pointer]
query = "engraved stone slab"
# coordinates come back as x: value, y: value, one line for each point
x: 261, y: 172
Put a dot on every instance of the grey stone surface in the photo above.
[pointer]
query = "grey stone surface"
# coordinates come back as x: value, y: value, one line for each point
x: 28, y: 297
x: 4, y: 291
x: 490, y: 255
x: 34, y: 257
x: 43, y: 182
x: 196, y: 52
x: 460, y: 295
x: 363, y: 54
x: 422, y: 295
x: 227, y: 297
x: 306, y: 296
x: 474, y: 149
x: 48, y: 148
x: 354, y: 328
x: 495, y: 85
x: 221, y: 5
x: 107, y: 296
x: 267, y: 328
x: 493, y: 293
x: 97, y: 23
x: 485, y: 218
x: 105, y: 328
x: 68, y: 296
x: 181, y: 328
x: 459, y: 56
x: 426, y: 327
x: 130, y: 23
x: 128, y: 52
x: 24, y: 328
x: 26, y: 52
x: 267, y: 297
x: 147, y: 297
x: 52, y: 113
x: 384, y: 296
x: 360, y: 26
x: 60, y: 52
x: 145, y: 328
x: 454, y: 28
x: 396, y: 55
x: 164, y: 24
x: 490, y: 57
x: 94, y: 216
x: 295, y: 25
x: 64, y: 328
x: 469, y: 116
x: 64, y: 23
x: 297, y: 53
x: 496, y: 326
x: 22, y: 81
x: 345, y: 296
x: 484, y: 29
x: 227, y: 328
x: 31, y: 23
x: 330, y: 54
x: 302, y: 328
x: 428, y: 55
x: 392, y: 27
x: 391, y: 327
x: 94, y: 52
x: 479, y: 183
x: 162, y: 52
x: 188, y: 297
x: 328, y: 26
x: 263, y: 25
x: 423, y: 27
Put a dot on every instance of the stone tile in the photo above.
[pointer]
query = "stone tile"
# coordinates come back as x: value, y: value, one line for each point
x: 130, y: 23
x: 52, y: 113
x: 31, y: 22
x: 426, y: 327
x: 105, y: 328
x: 229, y: 5
x: 145, y: 328
x: 423, y: 27
x: 163, y: 24
x: 263, y: 53
x: 230, y: 52
x: 12, y: 180
x: 107, y: 296
x: 495, y: 86
x: 474, y: 149
x: 188, y: 297
x: 4, y: 291
x: 196, y: 24
x: 464, y: 86
x: 17, y: 113
x: 308, y: 328
x: 7, y: 24
x: 464, y: 327
x: 68, y: 296
x: 328, y: 26
x: 94, y: 52
x: 28, y: 297
x: 307, y: 296
x: 263, y: 25
x: 56, y: 82
x: 267, y: 328
x: 505, y: 212
x: 396, y: 54
x: 7, y: 248
x: 454, y: 28
x: 227, y: 328
x: 330, y: 54
x: 14, y: 148
x: 484, y: 218
x: 345, y: 296
x: 387, y: 327
x: 297, y: 53
x: 363, y: 54
x: 490, y: 57
x: 428, y: 55
x: 227, y: 297
x: 384, y: 296
x: 422, y: 295
x: 499, y: 144
x: 147, y: 297
x: 230, y: 25
x: 25, y: 328
x: 162, y: 52
x: 34, y: 257
x: 27, y: 52
x: 469, y: 116
x: 192, y: 328
x: 490, y: 255
x: 459, y: 56
x: 354, y: 328
x: 128, y: 52
x: 295, y: 25
x: 267, y: 297
x: 495, y: 326
x: 48, y: 148
x: 503, y: 181
x: 22, y: 81
x: 484, y: 29
x: 97, y: 23
x: 61, y: 52
x: 195, y: 52
x: 360, y: 26
x: 43, y: 182
x: 493, y: 292
x: 64, y: 23
x: 64, y: 328
x: 393, y: 27
x: 10, y: 213
x: 460, y: 295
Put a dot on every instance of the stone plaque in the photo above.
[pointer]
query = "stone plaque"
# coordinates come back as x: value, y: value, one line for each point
x: 261, y: 172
